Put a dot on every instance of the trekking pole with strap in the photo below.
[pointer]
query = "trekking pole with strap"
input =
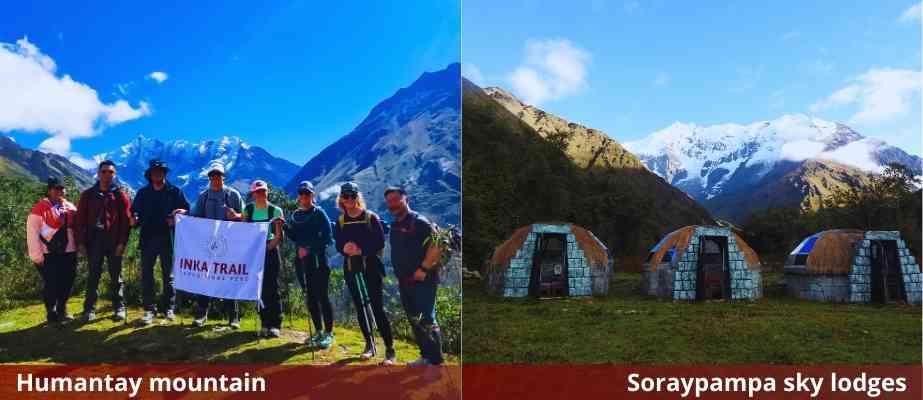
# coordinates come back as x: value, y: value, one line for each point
x: 305, y: 290
x: 362, y: 285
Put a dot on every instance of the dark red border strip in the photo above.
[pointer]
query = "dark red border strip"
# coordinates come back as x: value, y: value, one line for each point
x: 284, y: 382
x: 484, y: 381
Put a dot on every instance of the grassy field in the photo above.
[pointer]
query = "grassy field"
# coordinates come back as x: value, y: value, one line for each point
x: 26, y: 338
x: 626, y: 327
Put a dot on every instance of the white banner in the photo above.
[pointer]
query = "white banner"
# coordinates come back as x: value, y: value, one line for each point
x: 219, y: 258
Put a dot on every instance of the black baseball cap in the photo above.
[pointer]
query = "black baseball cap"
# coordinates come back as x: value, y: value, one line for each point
x: 349, y: 188
x: 54, y: 182
x: 392, y: 189
x: 305, y: 186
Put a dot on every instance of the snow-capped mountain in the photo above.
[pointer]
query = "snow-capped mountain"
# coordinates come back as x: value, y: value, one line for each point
x: 710, y: 161
x: 189, y: 163
x: 410, y: 139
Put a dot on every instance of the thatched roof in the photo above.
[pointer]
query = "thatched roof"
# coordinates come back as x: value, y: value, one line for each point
x: 679, y: 240
x: 596, y: 253
x: 832, y: 251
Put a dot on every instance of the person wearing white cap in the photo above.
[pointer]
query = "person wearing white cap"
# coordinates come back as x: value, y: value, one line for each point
x: 261, y: 210
x: 222, y: 202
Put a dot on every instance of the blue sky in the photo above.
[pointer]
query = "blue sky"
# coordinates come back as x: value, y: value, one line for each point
x: 291, y: 77
x: 634, y: 67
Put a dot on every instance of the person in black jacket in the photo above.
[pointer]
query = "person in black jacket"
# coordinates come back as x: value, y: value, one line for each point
x: 309, y: 228
x: 360, y: 238
x: 153, y: 208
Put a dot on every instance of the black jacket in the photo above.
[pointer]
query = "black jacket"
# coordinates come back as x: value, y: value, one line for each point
x: 151, y: 214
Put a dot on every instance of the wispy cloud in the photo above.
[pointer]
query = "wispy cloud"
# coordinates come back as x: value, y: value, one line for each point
x: 912, y: 13
x: 158, y: 76
x: 881, y: 94
x: 472, y: 73
x: 552, y: 69
x: 662, y: 79
x: 36, y: 99
x: 790, y: 35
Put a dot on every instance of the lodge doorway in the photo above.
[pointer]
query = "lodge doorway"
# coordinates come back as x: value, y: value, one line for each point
x: 549, y: 266
x: 713, y: 275
x: 887, y: 283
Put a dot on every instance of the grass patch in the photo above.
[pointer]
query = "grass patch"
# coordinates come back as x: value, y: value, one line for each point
x: 26, y: 338
x: 627, y: 327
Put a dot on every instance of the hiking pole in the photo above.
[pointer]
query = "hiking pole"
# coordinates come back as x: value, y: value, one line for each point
x: 366, y: 303
x: 305, y: 290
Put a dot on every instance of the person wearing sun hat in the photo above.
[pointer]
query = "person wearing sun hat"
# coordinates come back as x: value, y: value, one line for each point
x: 309, y: 228
x: 154, y: 207
x: 222, y: 202
x: 261, y: 210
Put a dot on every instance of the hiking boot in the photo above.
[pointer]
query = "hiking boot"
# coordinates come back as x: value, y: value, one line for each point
x: 325, y: 340
x: 390, y: 357
x: 369, y: 351
x: 148, y: 318
x: 169, y: 316
x: 420, y: 362
x: 200, y: 321
x: 312, y: 341
x: 88, y: 316
x: 234, y: 324
x: 275, y: 332
x: 51, y: 316
x: 120, y: 314
x: 263, y: 332
x: 65, y: 318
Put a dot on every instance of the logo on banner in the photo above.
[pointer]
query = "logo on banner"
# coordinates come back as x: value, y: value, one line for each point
x: 217, y: 246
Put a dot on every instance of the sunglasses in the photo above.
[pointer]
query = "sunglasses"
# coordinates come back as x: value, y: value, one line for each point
x: 305, y: 193
x: 349, y: 196
x: 107, y: 171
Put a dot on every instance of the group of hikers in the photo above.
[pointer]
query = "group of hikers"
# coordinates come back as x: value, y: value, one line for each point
x: 98, y: 229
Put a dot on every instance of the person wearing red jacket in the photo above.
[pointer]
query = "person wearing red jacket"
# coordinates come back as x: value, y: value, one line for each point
x: 101, y: 232
x: 50, y: 239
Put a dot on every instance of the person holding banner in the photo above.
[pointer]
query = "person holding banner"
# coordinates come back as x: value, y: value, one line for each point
x: 360, y: 238
x: 153, y: 208
x: 415, y: 257
x: 101, y: 231
x: 50, y: 239
x: 309, y: 228
x: 224, y: 203
x: 261, y: 210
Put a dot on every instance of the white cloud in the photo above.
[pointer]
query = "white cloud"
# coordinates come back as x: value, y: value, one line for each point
x: 34, y: 98
x: 881, y: 94
x: 472, y: 73
x: 791, y: 35
x: 158, y: 76
x: 822, y: 66
x: 798, y: 150
x: 552, y: 69
x: 912, y: 13
x: 662, y: 79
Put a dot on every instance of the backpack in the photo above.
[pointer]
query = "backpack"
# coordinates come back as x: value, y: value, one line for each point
x: 249, y: 208
x: 367, y: 221
x: 252, y: 206
x: 58, y: 242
